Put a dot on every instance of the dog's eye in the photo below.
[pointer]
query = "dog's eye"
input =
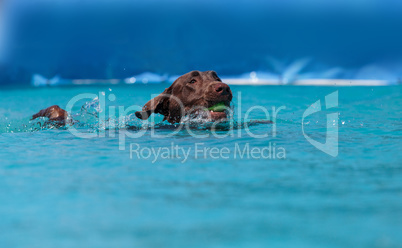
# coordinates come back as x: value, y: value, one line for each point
x: 192, y: 81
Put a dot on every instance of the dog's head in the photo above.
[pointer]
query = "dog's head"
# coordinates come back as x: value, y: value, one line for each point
x: 190, y: 93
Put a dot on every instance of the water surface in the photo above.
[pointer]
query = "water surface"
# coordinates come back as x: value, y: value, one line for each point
x: 58, y: 190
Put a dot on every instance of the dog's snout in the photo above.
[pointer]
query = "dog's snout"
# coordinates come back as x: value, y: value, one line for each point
x: 222, y: 88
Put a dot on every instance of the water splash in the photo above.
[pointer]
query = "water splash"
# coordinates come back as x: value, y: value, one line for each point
x: 88, y: 118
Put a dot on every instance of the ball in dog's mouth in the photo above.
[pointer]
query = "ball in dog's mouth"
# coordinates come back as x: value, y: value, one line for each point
x: 218, y: 111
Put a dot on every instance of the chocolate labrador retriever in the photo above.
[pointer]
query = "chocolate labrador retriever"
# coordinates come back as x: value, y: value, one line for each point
x: 190, y: 94
x: 193, y: 93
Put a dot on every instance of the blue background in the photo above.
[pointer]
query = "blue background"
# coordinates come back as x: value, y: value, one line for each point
x: 119, y: 39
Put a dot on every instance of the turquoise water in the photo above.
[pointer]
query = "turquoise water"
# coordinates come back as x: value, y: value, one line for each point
x: 58, y: 190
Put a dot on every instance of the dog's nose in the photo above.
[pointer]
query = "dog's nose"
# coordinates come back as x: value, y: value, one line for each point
x: 222, y: 88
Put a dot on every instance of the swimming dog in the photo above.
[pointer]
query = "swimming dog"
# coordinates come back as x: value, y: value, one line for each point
x: 195, y: 93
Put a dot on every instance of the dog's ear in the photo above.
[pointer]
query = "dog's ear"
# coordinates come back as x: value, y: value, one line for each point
x: 158, y: 105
